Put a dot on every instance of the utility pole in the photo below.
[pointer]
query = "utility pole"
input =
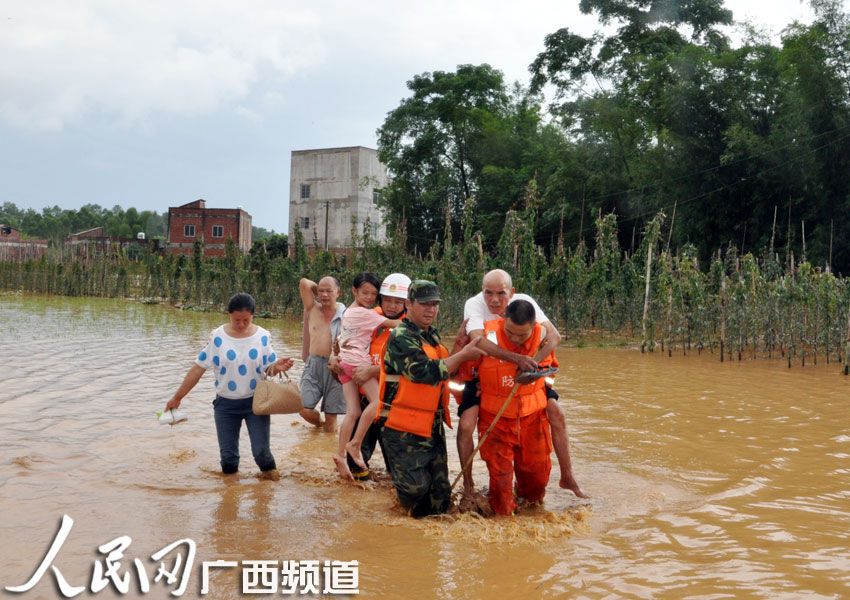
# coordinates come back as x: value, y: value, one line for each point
x: 327, y: 209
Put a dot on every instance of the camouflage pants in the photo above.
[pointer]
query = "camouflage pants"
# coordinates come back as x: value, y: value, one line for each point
x: 419, y: 468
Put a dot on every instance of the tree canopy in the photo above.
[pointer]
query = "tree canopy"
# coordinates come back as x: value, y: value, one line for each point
x: 431, y: 145
x: 745, y: 145
x: 56, y: 224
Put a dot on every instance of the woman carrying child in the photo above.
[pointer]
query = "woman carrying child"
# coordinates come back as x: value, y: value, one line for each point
x: 359, y: 321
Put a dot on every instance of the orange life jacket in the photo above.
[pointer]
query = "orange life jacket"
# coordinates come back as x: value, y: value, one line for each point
x: 468, y: 371
x: 377, y: 348
x: 497, y: 376
x: 414, y: 405
x: 379, y: 341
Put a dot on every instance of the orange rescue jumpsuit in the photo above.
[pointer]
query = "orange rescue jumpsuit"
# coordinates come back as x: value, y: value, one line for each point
x: 521, y: 442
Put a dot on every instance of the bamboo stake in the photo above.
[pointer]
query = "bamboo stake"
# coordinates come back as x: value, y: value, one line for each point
x: 847, y: 347
x: 829, y: 264
x: 788, y: 237
x: 672, y: 221
x: 773, y: 229
x: 669, y: 315
x: 803, y: 338
x: 646, y: 295
x: 722, y: 314
x: 581, y: 222
x: 561, y: 228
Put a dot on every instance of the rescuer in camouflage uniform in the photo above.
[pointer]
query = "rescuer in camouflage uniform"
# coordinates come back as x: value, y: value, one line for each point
x: 418, y: 463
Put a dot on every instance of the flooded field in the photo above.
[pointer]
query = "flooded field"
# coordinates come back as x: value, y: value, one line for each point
x: 707, y: 480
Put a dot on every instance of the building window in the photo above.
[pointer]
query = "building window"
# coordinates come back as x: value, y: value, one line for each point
x: 305, y: 222
x: 218, y: 231
x: 188, y: 231
x: 305, y: 190
x: 374, y: 228
x: 376, y: 195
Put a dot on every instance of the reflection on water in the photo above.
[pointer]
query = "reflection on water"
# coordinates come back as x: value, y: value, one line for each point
x: 708, y: 480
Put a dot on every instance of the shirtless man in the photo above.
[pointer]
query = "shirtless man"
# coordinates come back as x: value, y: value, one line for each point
x: 496, y: 293
x: 322, y: 317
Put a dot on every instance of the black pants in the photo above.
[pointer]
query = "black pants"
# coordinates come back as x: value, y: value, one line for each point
x: 471, y: 397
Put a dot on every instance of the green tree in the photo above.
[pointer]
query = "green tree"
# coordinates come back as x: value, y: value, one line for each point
x: 517, y: 146
x: 274, y: 246
x: 815, y: 64
x: 718, y: 137
x: 622, y: 98
x: 259, y: 233
x: 11, y: 215
x: 429, y: 146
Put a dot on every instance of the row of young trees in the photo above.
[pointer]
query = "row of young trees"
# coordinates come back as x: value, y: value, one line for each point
x: 735, y: 306
x: 56, y: 224
x: 745, y: 143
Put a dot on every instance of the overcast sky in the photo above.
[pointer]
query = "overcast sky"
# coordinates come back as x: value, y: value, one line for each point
x: 157, y: 103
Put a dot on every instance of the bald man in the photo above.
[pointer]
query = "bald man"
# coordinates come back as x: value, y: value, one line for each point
x: 497, y: 291
x: 322, y: 318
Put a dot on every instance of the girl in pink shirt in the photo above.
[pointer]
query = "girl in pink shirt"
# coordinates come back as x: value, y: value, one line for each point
x: 359, y: 321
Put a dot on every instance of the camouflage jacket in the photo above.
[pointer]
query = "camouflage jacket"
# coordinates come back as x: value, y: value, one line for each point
x: 405, y: 356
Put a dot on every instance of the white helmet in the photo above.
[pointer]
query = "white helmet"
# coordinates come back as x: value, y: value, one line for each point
x: 395, y: 284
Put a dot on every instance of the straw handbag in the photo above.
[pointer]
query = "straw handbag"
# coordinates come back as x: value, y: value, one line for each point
x: 273, y: 396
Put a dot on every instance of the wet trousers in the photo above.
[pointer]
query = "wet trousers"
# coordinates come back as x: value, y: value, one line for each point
x: 516, y: 446
x: 419, y: 468
x: 229, y: 415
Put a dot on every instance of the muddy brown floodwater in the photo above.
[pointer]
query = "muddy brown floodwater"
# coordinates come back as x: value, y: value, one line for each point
x: 707, y: 480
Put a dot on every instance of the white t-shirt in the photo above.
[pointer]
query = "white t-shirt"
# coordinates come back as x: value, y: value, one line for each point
x: 239, y: 363
x: 477, y: 312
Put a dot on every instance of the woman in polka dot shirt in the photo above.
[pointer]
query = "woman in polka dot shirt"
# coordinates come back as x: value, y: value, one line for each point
x: 240, y: 353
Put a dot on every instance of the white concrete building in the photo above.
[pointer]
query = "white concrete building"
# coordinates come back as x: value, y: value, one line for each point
x: 330, y: 187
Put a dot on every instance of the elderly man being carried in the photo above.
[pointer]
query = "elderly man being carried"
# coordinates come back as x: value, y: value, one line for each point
x: 513, y: 414
x: 497, y: 292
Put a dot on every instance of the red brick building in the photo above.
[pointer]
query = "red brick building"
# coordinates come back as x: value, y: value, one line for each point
x: 12, y: 247
x: 211, y: 225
